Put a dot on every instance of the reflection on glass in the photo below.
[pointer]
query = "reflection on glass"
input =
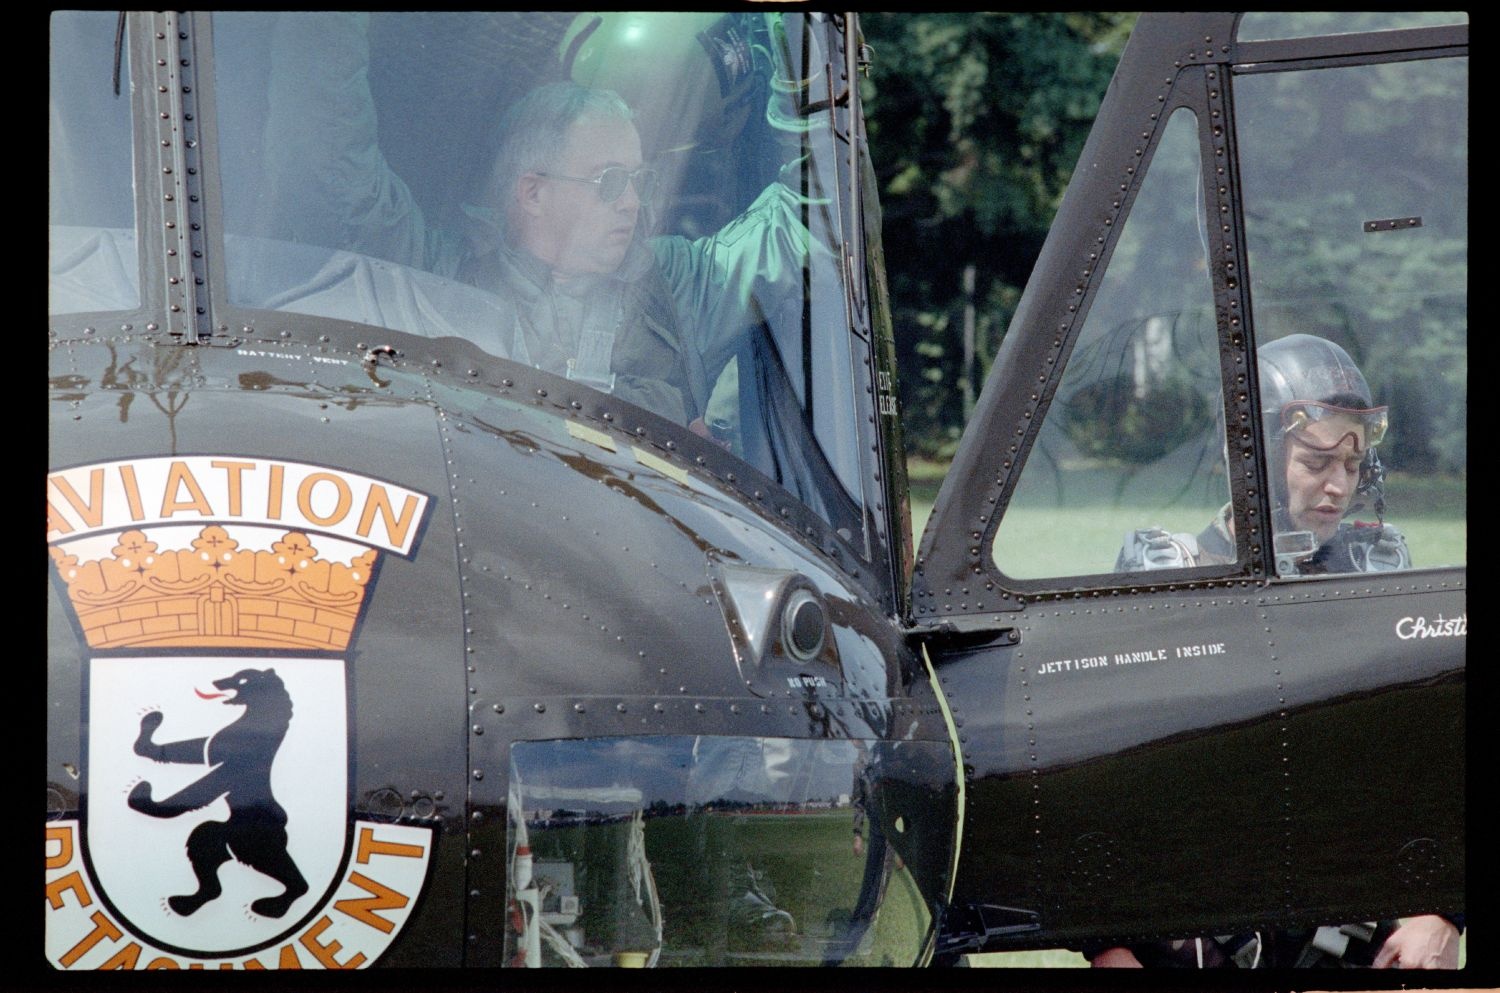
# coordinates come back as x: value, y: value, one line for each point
x: 1356, y: 217
x: 90, y: 203
x: 470, y: 187
x: 694, y: 851
x: 1266, y: 25
x: 1133, y: 437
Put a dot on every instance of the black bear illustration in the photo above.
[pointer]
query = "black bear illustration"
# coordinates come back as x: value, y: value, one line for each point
x: 241, y: 755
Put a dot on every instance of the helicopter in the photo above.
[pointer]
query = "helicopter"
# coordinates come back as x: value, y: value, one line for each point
x: 383, y: 633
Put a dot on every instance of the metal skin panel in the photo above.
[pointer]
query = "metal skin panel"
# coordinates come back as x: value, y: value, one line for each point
x: 1374, y: 736
x: 1135, y: 776
x: 1109, y: 757
x: 561, y: 587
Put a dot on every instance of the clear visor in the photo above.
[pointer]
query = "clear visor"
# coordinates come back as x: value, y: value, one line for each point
x: 1324, y: 426
x: 709, y: 851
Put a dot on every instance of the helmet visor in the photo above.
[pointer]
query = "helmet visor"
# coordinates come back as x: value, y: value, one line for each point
x: 1324, y: 426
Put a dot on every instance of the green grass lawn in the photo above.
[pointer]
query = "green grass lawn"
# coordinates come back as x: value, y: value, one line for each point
x: 1084, y: 539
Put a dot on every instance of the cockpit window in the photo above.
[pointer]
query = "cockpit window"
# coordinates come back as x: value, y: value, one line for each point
x: 1356, y: 218
x: 91, y: 210
x: 1130, y: 461
x: 1280, y: 24
x: 643, y: 203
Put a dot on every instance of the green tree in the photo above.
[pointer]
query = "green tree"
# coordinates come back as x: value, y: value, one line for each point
x: 975, y: 123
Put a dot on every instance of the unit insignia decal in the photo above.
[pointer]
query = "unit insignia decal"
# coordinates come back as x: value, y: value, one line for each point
x: 218, y: 597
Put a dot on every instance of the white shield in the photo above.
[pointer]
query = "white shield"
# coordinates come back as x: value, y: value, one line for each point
x: 141, y: 853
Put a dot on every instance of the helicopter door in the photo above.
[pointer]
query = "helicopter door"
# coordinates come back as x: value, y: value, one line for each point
x: 1097, y: 586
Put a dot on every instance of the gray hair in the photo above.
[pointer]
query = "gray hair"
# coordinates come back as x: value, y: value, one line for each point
x: 535, y: 128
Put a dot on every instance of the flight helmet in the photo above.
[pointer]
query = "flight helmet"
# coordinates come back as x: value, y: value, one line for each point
x: 1306, y: 378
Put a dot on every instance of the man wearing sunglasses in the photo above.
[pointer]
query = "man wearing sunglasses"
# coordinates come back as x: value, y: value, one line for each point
x: 1322, y: 427
x: 559, y: 235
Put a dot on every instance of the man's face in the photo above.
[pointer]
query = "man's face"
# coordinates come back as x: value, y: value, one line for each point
x: 576, y: 232
x: 1322, y: 472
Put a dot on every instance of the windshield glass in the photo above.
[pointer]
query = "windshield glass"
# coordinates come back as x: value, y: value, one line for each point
x: 1132, y: 449
x: 713, y: 851
x: 643, y: 203
x: 1356, y: 184
x: 90, y: 208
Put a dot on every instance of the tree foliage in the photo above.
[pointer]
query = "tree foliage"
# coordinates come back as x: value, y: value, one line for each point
x: 976, y: 122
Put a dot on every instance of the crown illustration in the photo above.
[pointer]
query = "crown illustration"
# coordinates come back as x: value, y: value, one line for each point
x: 215, y: 595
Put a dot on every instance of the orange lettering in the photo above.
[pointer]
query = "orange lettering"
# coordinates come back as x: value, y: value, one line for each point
x: 132, y: 492
x: 178, y: 476
x: 92, y: 513
x: 232, y: 472
x: 103, y: 928
x: 163, y: 963
x: 64, y: 838
x: 56, y: 522
x: 395, y: 527
x: 125, y: 958
x: 341, y: 506
x: 382, y: 898
x: 273, y: 494
x: 326, y: 953
x: 369, y: 846
x: 289, y: 959
x: 72, y: 881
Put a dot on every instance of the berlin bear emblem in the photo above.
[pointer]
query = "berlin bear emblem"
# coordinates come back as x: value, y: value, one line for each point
x: 240, y: 757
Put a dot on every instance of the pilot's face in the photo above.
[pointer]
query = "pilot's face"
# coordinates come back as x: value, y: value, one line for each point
x: 1322, y: 472
x: 581, y: 233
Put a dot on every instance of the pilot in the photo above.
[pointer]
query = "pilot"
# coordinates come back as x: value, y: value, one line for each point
x: 582, y: 291
x: 1322, y: 427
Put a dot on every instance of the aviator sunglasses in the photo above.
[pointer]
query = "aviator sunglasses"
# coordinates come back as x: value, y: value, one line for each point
x: 612, y: 182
